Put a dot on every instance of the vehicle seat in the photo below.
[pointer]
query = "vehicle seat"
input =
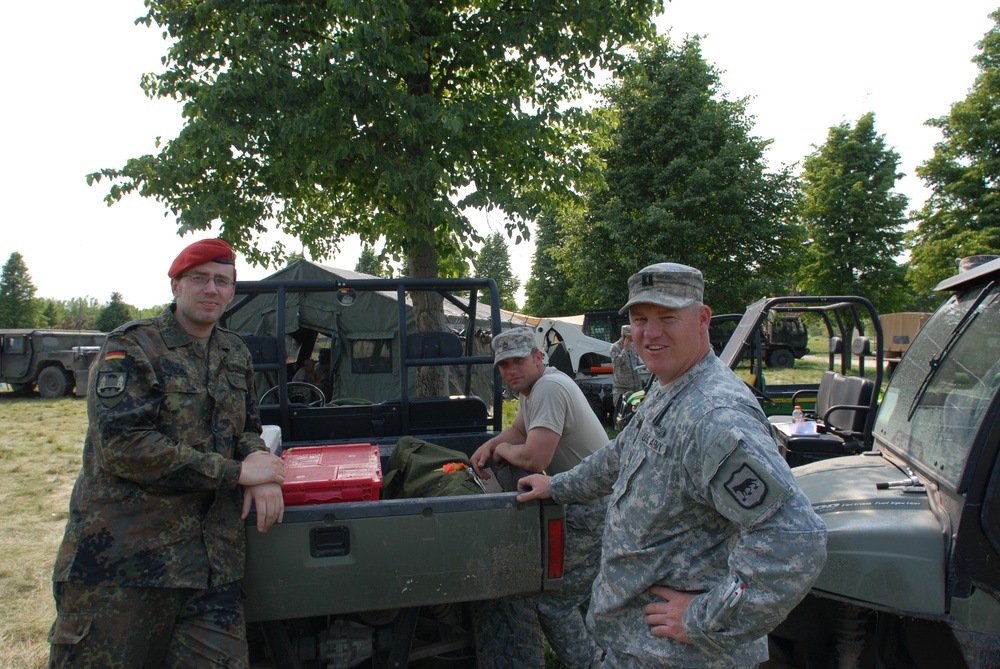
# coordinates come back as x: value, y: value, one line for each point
x: 263, y: 349
x: 266, y: 366
x: 842, y: 406
x: 433, y: 345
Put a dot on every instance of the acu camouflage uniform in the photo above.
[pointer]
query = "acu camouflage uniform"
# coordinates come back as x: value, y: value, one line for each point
x: 701, y: 502
x: 157, y: 504
x: 626, y: 378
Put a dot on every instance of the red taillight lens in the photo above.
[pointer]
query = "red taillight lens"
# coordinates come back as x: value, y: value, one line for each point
x: 557, y: 548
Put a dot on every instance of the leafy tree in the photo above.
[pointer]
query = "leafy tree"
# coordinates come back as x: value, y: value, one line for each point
x: 685, y: 182
x: 962, y: 215
x: 80, y: 313
x: 52, y: 314
x: 853, y: 217
x: 384, y: 119
x: 150, y: 312
x: 18, y: 307
x: 114, y: 314
x: 493, y: 262
x: 548, y: 288
x: 369, y: 263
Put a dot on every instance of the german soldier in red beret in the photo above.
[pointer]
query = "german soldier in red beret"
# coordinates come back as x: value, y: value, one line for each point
x: 148, y: 571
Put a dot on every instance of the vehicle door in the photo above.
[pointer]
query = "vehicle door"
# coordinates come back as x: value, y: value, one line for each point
x: 15, y: 356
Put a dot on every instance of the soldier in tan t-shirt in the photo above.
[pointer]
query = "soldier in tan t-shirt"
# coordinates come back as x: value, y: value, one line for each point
x: 554, y: 430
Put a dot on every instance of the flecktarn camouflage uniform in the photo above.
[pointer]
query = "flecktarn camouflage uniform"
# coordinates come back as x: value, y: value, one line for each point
x: 701, y: 502
x: 155, y: 513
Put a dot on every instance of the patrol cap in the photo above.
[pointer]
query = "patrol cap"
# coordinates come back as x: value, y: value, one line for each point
x: 626, y: 330
x: 665, y: 284
x: 515, y: 343
x: 200, y: 252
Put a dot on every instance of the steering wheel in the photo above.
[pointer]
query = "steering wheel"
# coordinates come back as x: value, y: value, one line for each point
x: 761, y: 394
x: 310, y: 391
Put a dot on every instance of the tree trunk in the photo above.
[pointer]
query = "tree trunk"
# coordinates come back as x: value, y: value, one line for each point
x: 428, y: 309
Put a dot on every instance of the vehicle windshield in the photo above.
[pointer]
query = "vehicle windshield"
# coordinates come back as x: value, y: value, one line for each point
x: 941, y: 390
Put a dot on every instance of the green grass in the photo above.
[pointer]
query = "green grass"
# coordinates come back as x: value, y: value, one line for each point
x: 40, y: 446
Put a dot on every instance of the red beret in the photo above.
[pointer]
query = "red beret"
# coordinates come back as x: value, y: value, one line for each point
x: 206, y: 250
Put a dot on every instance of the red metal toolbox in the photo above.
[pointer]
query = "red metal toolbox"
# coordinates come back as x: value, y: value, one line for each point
x: 337, y: 473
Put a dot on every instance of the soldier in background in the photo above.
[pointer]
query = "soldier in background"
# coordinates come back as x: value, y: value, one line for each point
x: 709, y: 540
x: 624, y: 363
x: 306, y: 373
x: 148, y: 571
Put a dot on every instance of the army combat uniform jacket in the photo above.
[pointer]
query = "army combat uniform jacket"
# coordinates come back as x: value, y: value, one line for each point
x: 157, y: 503
x: 701, y: 502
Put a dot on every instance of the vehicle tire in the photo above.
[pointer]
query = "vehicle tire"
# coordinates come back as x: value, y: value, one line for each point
x: 53, y: 383
x: 781, y: 358
x: 507, y: 634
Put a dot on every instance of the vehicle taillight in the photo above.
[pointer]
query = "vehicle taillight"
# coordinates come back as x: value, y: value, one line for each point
x: 557, y: 548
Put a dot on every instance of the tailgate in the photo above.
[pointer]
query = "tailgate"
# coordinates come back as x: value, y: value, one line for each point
x: 364, y: 556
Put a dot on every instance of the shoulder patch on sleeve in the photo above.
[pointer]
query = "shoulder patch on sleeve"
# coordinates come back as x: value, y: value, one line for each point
x: 110, y: 384
x: 745, y: 487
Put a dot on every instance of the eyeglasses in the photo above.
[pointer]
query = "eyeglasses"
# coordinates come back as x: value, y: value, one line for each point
x: 222, y: 282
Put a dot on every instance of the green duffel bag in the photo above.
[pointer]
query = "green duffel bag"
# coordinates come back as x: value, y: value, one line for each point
x: 417, y: 469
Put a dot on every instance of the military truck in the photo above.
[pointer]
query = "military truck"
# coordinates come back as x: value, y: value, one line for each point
x: 913, y: 575
x: 374, y: 582
x: 784, y: 339
x: 56, y: 361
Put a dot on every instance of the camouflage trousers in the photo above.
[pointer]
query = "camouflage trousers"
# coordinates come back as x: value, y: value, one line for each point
x: 562, y: 614
x: 133, y: 628
x: 617, y: 660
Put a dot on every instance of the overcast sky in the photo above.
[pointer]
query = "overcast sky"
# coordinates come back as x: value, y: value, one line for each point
x: 73, y: 105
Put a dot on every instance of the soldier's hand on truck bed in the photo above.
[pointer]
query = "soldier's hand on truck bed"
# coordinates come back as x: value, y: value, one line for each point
x: 532, y: 487
x: 270, y: 504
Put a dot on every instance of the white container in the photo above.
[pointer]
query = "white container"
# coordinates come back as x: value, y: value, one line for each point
x: 272, y: 437
x: 805, y: 427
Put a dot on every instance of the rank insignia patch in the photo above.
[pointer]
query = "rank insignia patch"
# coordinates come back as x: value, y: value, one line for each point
x: 110, y: 384
x: 746, y: 487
